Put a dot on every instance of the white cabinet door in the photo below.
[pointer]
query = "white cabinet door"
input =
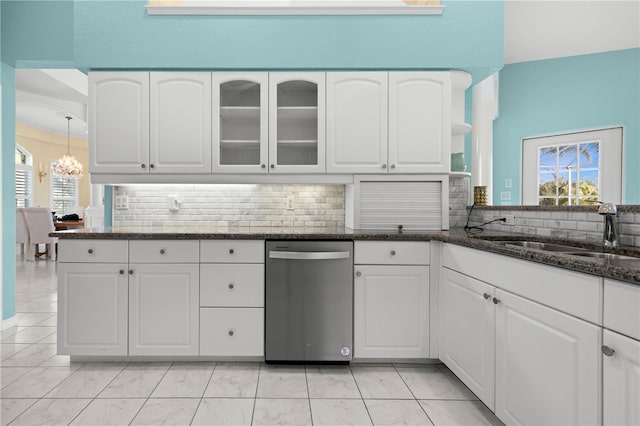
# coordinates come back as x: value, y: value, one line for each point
x: 163, y: 309
x: 547, y: 365
x: 419, y: 122
x: 92, y: 306
x: 467, y: 332
x: 391, y: 311
x: 621, y: 380
x: 357, y: 122
x: 240, y: 122
x: 180, y: 130
x: 297, y: 122
x: 119, y: 122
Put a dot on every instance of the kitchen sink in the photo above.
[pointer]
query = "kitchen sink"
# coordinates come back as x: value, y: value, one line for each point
x: 543, y: 246
x: 610, y: 256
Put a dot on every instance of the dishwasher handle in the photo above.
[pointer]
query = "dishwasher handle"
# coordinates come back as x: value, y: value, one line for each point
x: 309, y: 255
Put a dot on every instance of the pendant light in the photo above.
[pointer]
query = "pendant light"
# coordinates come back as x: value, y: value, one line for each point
x: 68, y: 167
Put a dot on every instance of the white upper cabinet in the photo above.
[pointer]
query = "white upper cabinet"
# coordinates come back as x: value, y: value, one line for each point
x: 297, y: 122
x: 240, y: 122
x: 180, y: 132
x: 119, y: 122
x: 357, y: 122
x: 419, y: 122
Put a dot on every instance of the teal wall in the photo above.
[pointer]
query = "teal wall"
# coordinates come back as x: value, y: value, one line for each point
x: 8, y: 193
x: 567, y: 94
x: 112, y: 34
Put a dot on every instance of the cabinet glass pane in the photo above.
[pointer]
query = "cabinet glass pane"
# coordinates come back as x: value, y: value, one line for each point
x: 240, y: 123
x: 297, y: 140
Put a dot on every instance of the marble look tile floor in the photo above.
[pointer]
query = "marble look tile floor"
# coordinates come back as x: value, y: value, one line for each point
x: 39, y: 387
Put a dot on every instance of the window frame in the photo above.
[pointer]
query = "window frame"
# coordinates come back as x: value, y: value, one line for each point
x: 611, y: 165
x: 52, y: 182
x: 27, y: 168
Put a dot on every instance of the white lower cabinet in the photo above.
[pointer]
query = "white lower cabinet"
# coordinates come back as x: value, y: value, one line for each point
x: 547, y: 365
x: 621, y: 379
x: 232, y: 331
x: 92, y: 306
x: 468, y: 332
x: 163, y: 309
x: 391, y: 311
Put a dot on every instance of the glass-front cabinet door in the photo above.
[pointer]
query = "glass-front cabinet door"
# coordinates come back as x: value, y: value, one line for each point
x: 240, y: 122
x: 297, y: 122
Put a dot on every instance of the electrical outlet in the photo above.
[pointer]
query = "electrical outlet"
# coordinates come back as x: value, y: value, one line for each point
x: 290, y: 202
x: 122, y: 202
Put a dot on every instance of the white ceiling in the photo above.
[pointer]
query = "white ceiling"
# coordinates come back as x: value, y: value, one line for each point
x: 533, y: 30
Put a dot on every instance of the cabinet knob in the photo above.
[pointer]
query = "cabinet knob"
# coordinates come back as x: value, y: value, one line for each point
x: 144, y: 166
x: 273, y: 166
x: 384, y: 166
x: 495, y: 300
x: 152, y: 166
x: 231, y: 286
x: 231, y: 251
x: 162, y: 251
x: 393, y: 252
x: 486, y: 296
x: 121, y: 271
x: 230, y: 332
x: 358, y: 274
x: 608, y: 351
x: 130, y: 271
x: 393, y: 166
x: 90, y: 251
x: 263, y: 166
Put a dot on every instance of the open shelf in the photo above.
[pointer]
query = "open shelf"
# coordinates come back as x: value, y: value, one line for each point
x: 460, y: 129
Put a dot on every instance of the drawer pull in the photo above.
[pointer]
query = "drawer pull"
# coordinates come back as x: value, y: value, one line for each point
x: 486, y: 296
x: 263, y: 166
x: 90, y: 251
x: 393, y: 252
x: 151, y: 165
x: 121, y: 271
x: 143, y: 166
x: 162, y: 251
x: 231, y: 286
x: 230, y: 332
x: 384, y: 166
x: 231, y: 251
x: 130, y: 271
x: 496, y: 300
x: 358, y: 274
x: 608, y: 351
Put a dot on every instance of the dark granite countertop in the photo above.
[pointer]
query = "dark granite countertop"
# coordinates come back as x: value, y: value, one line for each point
x: 623, y: 270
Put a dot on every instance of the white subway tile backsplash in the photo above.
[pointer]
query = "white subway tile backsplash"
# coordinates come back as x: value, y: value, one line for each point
x: 233, y: 205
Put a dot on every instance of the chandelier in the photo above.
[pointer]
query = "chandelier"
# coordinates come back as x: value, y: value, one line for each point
x: 68, y: 167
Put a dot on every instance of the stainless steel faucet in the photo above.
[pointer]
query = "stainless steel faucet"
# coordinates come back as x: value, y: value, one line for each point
x: 610, y: 235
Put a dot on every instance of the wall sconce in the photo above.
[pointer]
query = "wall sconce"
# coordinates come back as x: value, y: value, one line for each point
x: 41, y: 173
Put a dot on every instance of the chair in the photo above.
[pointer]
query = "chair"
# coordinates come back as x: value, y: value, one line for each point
x: 40, y: 224
x: 22, y: 231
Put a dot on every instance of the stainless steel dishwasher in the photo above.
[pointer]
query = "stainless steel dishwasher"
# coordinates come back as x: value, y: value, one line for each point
x: 309, y: 301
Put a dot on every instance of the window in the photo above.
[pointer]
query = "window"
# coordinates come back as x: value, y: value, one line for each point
x: 573, y: 169
x: 24, y: 177
x: 64, y: 193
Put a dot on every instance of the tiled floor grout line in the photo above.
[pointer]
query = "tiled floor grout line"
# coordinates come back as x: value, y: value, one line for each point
x: 306, y: 380
x: 255, y: 394
x: 203, y: 393
x: 413, y: 394
x: 361, y: 396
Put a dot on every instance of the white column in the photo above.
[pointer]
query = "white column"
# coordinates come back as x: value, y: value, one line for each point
x: 94, y: 214
x: 484, y: 111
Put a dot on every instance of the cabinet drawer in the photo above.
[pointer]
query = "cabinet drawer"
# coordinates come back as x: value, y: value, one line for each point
x: 94, y: 251
x: 391, y: 253
x: 232, y: 251
x: 232, y: 331
x: 232, y: 285
x: 163, y: 251
x: 622, y: 308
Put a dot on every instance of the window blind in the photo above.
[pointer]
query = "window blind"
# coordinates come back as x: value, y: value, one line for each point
x: 24, y: 185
